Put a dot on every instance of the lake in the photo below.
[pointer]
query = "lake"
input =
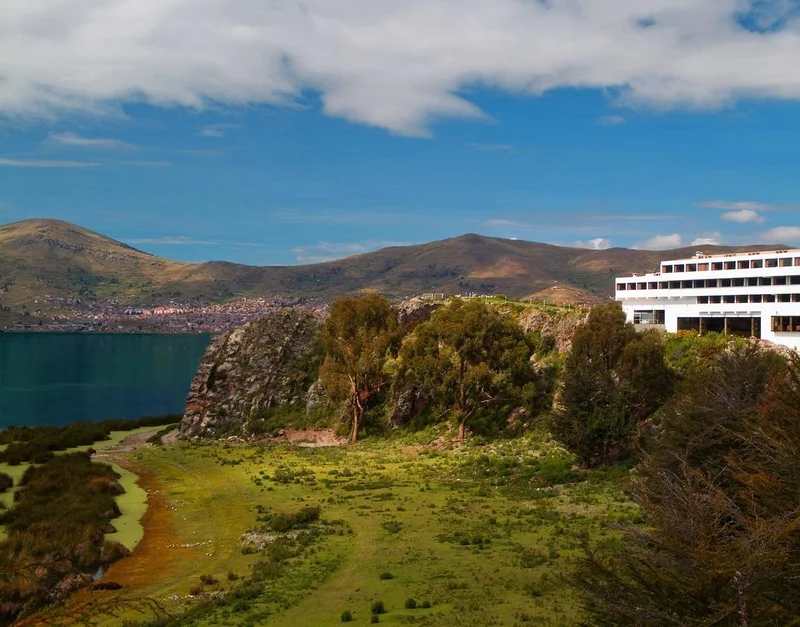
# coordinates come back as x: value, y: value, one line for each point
x: 56, y: 378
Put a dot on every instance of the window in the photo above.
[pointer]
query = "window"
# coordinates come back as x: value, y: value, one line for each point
x: 741, y: 298
x: 785, y: 324
x: 727, y: 299
x: 769, y: 298
x: 702, y: 300
x: 771, y: 263
x: 757, y: 263
x: 652, y: 286
x: 679, y: 267
x: 674, y: 285
x: 631, y: 286
x: 698, y: 283
x: 663, y: 285
x: 687, y: 285
x: 702, y: 267
x: 765, y: 280
x: 752, y: 281
x: 691, y: 267
x: 716, y: 299
x: 784, y: 298
x: 730, y: 265
x: 785, y: 262
x: 779, y: 280
x: 738, y: 282
x: 641, y: 286
x: 666, y: 268
x: 725, y: 282
x: 744, y: 264
x: 620, y: 287
x: 755, y: 298
x: 717, y: 265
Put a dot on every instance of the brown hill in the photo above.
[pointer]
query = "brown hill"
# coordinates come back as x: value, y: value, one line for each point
x: 54, y: 259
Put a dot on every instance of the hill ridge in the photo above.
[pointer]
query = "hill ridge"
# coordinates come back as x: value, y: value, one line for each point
x: 43, y: 259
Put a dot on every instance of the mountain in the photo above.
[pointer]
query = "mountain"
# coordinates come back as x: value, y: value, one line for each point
x: 46, y: 260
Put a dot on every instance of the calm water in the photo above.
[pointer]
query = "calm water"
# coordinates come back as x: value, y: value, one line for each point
x: 56, y: 378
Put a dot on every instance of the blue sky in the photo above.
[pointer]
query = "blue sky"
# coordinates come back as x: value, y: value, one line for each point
x: 346, y: 152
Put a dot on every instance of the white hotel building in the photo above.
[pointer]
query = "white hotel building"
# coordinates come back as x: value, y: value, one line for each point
x: 754, y: 294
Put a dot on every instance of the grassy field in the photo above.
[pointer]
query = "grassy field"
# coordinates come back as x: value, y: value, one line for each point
x: 483, y: 535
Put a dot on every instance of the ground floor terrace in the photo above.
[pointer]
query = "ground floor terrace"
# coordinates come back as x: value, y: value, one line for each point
x: 780, y: 324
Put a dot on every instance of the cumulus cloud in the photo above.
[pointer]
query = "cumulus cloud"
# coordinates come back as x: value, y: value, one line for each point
x: 661, y: 242
x: 598, y: 243
x: 743, y: 215
x: 396, y: 64
x: 175, y: 240
x: 782, y: 235
x: 712, y: 239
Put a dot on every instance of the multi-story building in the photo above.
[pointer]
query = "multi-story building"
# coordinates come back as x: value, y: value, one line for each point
x: 755, y: 294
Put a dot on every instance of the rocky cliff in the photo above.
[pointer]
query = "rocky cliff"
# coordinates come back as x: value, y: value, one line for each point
x: 267, y: 363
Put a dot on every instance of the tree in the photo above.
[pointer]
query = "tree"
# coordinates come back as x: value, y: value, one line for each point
x: 722, y: 499
x: 470, y: 358
x: 357, y: 335
x: 613, y: 379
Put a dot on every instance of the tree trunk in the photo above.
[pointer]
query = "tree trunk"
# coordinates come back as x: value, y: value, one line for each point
x: 461, y: 430
x: 356, y: 420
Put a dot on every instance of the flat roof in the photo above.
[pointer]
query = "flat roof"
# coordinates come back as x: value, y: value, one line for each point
x: 753, y: 253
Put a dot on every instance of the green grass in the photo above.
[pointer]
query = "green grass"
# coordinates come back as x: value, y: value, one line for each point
x: 479, y: 551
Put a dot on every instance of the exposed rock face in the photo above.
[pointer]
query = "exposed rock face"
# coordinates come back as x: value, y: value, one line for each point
x: 270, y: 362
x: 415, y: 311
x: 559, y: 326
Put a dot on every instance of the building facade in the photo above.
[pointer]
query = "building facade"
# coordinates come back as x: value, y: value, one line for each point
x: 754, y: 294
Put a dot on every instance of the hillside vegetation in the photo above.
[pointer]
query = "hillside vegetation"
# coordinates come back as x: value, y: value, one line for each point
x: 56, y: 259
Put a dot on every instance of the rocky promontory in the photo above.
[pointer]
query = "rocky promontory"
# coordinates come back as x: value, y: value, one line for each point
x: 267, y: 363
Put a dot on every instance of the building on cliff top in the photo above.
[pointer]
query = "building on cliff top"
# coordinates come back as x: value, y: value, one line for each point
x: 754, y: 294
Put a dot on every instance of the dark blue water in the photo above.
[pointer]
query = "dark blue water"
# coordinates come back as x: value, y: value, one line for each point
x: 56, y: 378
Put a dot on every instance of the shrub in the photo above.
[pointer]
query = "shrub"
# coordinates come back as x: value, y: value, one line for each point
x: 347, y: 616
x: 378, y: 608
x: 426, y: 605
x: 386, y: 576
x: 232, y: 576
x: 208, y: 580
x: 297, y: 520
x: 6, y: 482
x: 375, y: 619
x: 196, y: 590
x: 411, y: 604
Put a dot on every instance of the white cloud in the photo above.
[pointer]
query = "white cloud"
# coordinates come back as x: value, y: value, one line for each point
x: 660, y: 242
x: 782, y: 235
x: 503, y: 223
x: 398, y: 65
x: 145, y: 164
x: 174, y: 240
x: 76, y: 141
x: 611, y: 120
x: 743, y: 216
x: 329, y: 251
x: 598, y: 243
x: 745, y: 205
x: 493, y: 147
x: 216, y: 131
x: 44, y: 163
x: 712, y: 239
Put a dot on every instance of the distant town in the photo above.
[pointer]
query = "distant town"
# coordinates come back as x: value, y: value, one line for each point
x: 170, y: 317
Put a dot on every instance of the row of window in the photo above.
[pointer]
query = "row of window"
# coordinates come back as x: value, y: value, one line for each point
x: 749, y: 298
x: 785, y: 323
x: 713, y: 283
x: 735, y: 264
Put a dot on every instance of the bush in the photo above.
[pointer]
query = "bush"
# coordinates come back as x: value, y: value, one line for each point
x: 378, y: 608
x: 411, y: 604
x: 347, y: 616
x: 232, y: 576
x: 386, y: 576
x: 426, y: 605
x: 6, y: 482
x: 196, y: 590
x: 375, y: 619
x: 208, y: 580
x: 297, y: 520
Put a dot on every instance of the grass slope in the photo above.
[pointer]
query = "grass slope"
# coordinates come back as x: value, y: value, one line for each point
x: 484, y: 534
x: 62, y: 260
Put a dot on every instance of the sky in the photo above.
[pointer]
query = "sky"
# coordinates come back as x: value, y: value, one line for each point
x: 284, y: 132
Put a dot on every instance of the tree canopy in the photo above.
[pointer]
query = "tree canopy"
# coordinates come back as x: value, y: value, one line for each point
x: 471, y: 359
x: 613, y: 379
x: 357, y: 335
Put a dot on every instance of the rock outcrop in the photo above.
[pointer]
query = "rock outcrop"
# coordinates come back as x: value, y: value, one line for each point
x: 264, y: 364
x: 556, y: 325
